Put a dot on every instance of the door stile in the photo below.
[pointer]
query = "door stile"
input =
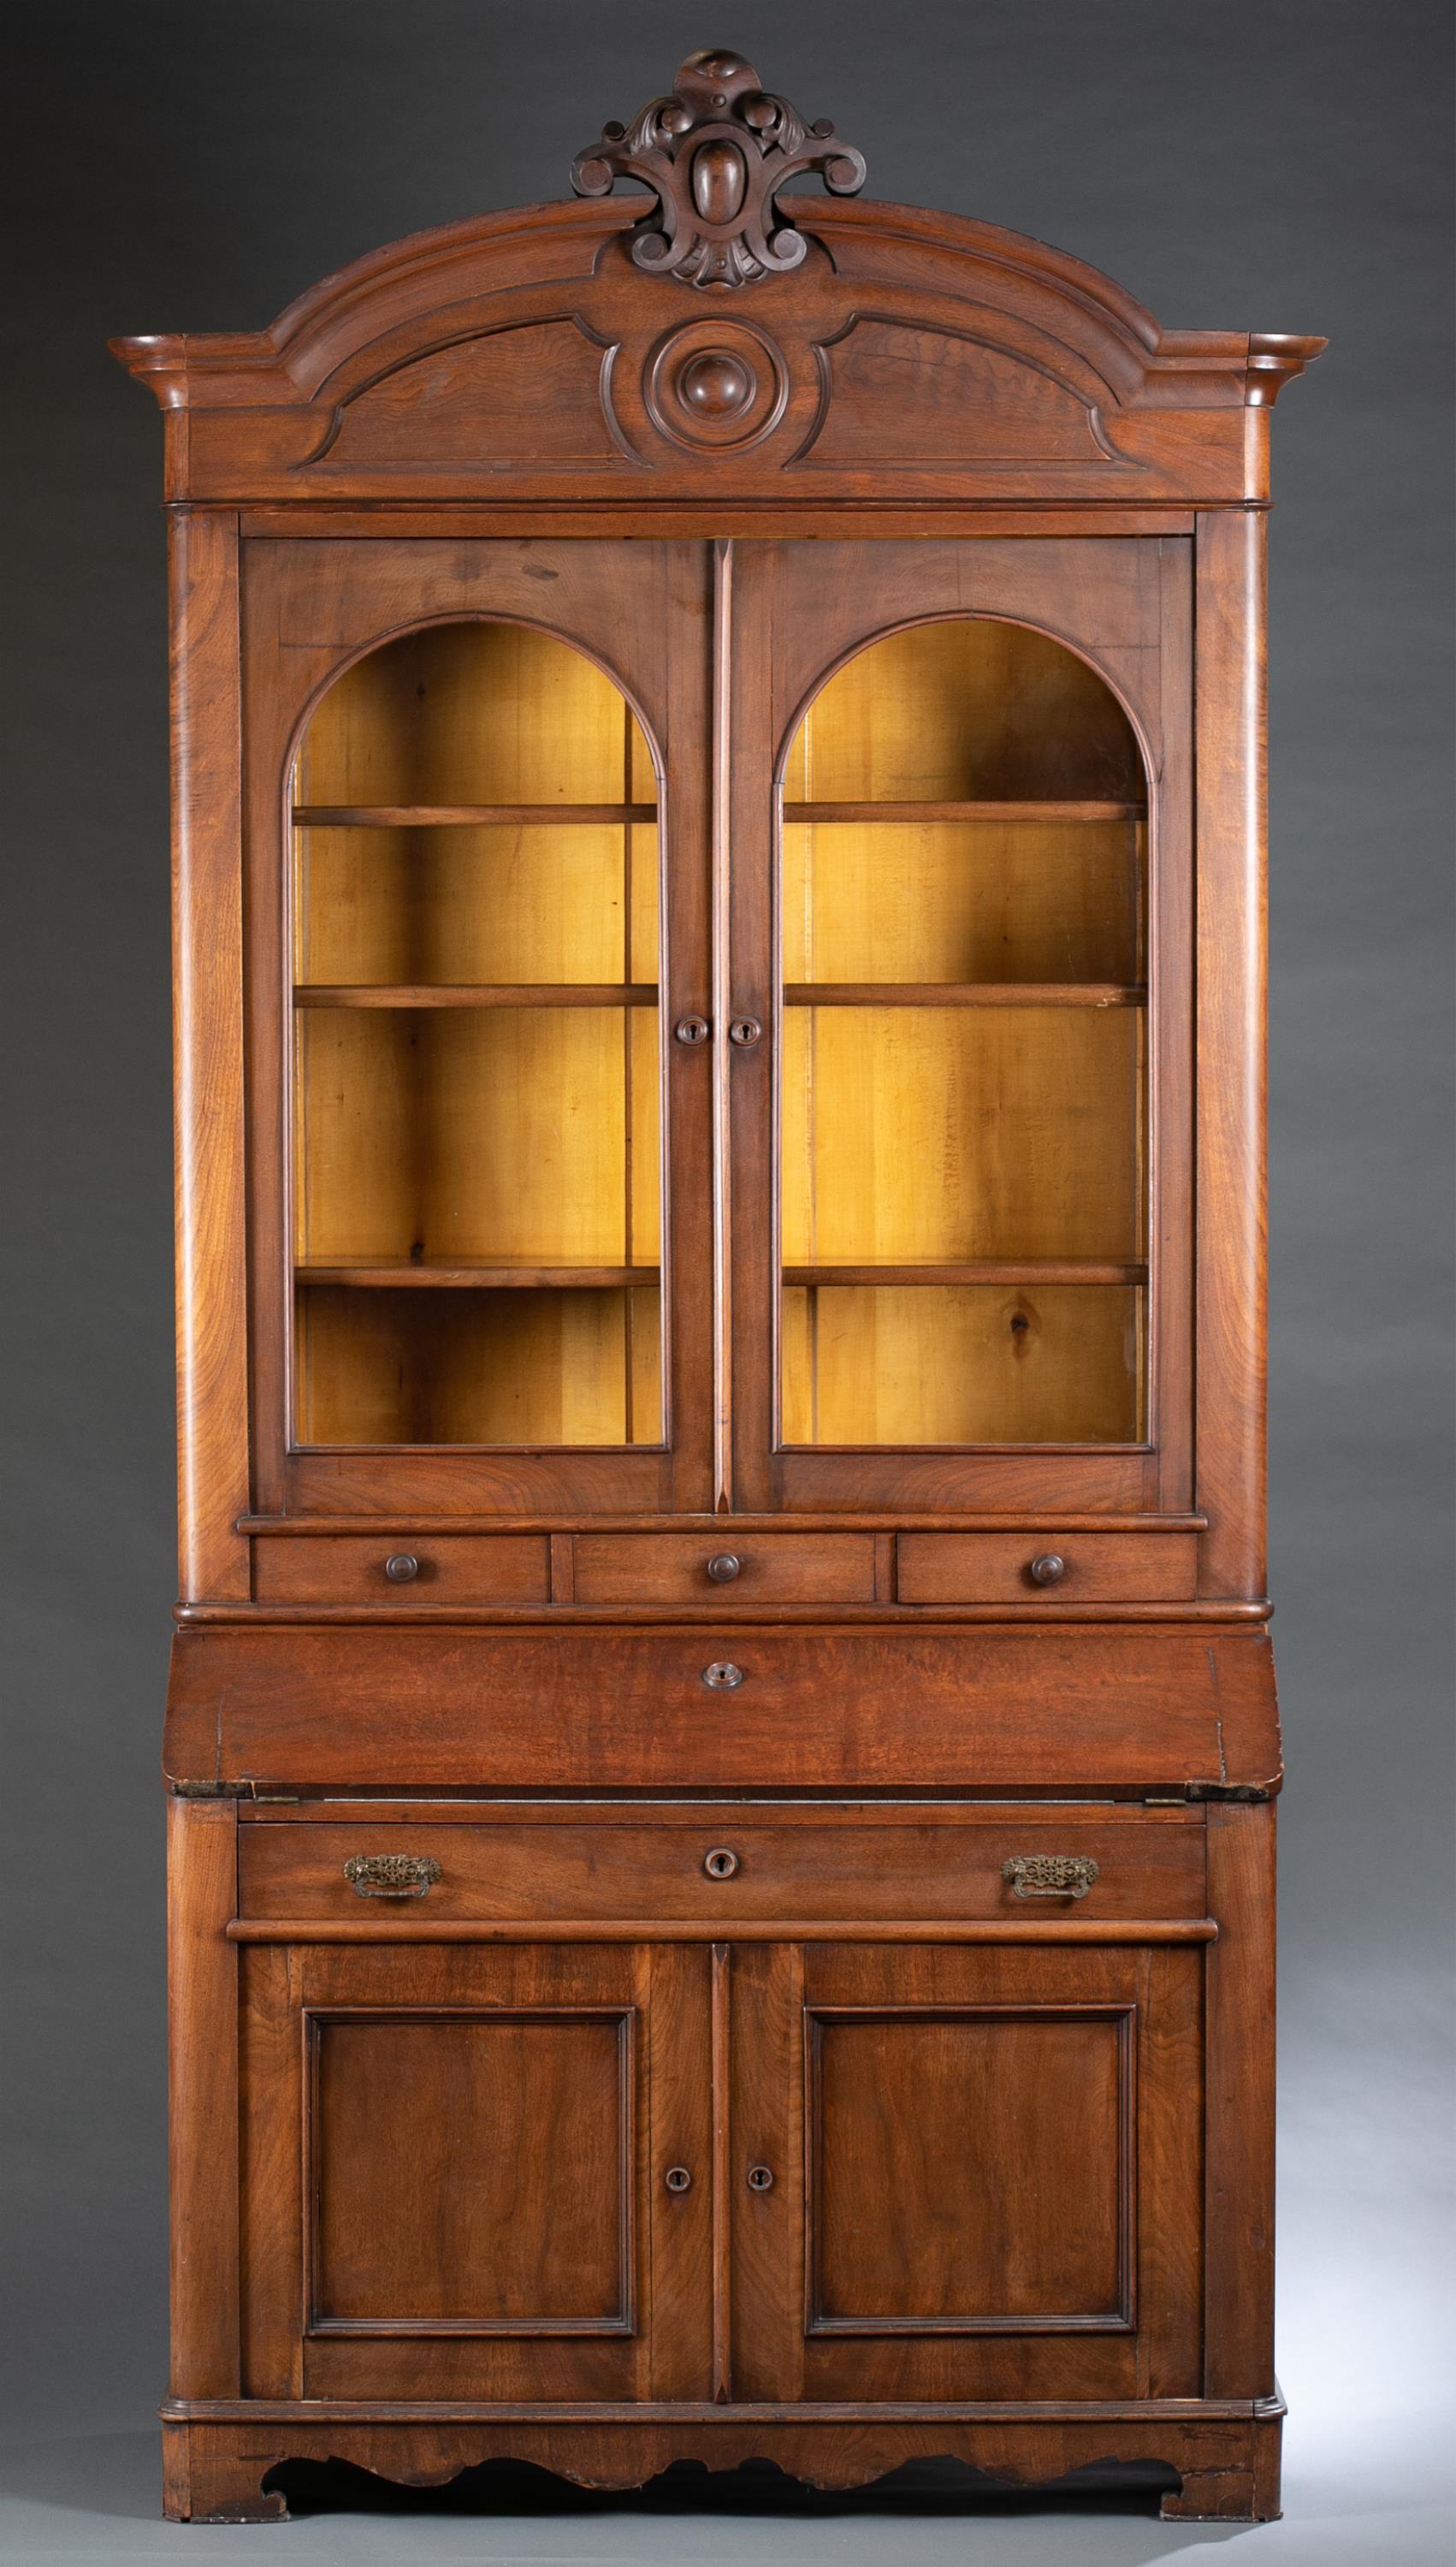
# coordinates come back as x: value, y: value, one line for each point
x: 748, y: 1071
x: 719, y: 1006
x: 768, y: 2237
x: 691, y: 1218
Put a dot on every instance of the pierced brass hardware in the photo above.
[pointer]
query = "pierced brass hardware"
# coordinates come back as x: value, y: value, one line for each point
x: 721, y: 1863
x: 1047, y: 1569
x: 401, y: 1566
x: 761, y: 2178
x: 724, y: 1568
x: 745, y: 1031
x: 723, y: 1675
x: 691, y: 1029
x: 392, y: 1875
x: 678, y: 2179
x: 1049, y: 1875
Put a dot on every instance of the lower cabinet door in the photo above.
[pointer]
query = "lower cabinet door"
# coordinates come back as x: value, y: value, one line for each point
x: 463, y: 2171
x: 967, y: 2172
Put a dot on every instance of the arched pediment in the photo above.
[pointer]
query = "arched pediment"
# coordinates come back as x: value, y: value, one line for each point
x: 834, y: 349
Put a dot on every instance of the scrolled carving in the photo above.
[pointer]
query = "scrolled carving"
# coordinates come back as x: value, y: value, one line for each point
x: 716, y: 152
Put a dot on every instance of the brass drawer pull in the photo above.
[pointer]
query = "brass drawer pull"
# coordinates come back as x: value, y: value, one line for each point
x: 721, y: 1863
x: 1049, y: 1875
x: 723, y: 1675
x: 678, y: 2179
x: 401, y: 1566
x: 724, y: 1568
x: 1048, y: 1570
x: 392, y: 1875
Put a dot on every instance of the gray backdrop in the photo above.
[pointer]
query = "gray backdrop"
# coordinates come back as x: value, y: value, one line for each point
x: 1275, y: 165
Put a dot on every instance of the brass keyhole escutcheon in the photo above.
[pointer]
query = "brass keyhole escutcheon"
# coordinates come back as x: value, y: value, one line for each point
x: 678, y: 2179
x: 724, y: 1568
x: 761, y: 2178
x: 691, y: 1030
x: 721, y: 1863
x: 723, y: 1676
x: 745, y: 1031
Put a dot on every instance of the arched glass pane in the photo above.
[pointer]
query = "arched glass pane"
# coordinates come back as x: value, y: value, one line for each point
x: 962, y: 1153
x: 476, y: 1143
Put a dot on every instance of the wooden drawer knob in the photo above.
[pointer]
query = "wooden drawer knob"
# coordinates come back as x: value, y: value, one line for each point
x: 1047, y: 1569
x: 724, y: 1568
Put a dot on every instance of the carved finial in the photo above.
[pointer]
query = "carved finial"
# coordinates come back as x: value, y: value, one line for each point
x: 716, y: 152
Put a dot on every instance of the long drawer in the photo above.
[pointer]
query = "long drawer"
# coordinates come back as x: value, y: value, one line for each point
x: 729, y: 1866
x: 979, y: 1710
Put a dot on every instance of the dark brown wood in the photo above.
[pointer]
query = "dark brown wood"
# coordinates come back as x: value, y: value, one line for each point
x: 203, y: 2002
x: 997, y: 1568
x: 218, y: 2457
x: 463, y: 815
x: 954, y: 2169
x: 1156, y: 1709
x: 555, y: 994
x: 1149, y: 1864
x: 457, y: 1569
x: 208, y: 973
x: 1239, y: 2210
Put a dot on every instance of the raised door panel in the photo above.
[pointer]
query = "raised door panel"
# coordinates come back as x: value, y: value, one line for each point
x: 961, y: 911
x: 987, y: 2181
x: 477, y: 892
x: 451, y: 2177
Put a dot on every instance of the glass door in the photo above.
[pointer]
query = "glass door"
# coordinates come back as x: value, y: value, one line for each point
x: 481, y: 1192
x: 974, y: 964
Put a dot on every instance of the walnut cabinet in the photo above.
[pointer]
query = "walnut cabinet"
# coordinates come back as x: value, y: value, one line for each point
x: 721, y: 1746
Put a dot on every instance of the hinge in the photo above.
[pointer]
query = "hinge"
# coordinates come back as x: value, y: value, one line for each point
x: 227, y: 1792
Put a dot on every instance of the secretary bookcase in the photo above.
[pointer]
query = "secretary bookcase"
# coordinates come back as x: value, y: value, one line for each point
x: 722, y: 1743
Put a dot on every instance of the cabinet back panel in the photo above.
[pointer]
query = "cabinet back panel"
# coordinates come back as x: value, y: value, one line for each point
x: 514, y: 1367
x: 961, y: 900
x: 980, y: 1363
x: 970, y: 709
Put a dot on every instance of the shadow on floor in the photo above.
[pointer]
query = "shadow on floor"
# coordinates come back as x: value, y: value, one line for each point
x: 921, y: 2487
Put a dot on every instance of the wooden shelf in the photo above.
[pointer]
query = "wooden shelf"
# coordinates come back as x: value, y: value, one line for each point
x: 962, y: 993
x: 993, y: 811
x: 468, y: 815
x: 989, y: 1270
x: 477, y: 993
x: 481, y: 1279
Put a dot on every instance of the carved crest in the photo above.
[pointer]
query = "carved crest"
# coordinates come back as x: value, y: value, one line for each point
x: 716, y: 152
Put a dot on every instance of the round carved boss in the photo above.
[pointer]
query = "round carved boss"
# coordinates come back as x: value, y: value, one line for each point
x: 713, y: 383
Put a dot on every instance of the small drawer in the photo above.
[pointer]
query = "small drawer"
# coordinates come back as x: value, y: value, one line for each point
x: 725, y: 1567
x: 1056, y: 1568
x: 402, y: 1568
x: 729, y: 1866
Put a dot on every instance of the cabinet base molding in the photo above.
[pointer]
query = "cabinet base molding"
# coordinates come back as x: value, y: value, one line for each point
x: 218, y: 2454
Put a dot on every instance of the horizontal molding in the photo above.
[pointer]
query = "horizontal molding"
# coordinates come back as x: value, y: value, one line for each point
x: 605, y: 2410
x: 720, y: 1930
